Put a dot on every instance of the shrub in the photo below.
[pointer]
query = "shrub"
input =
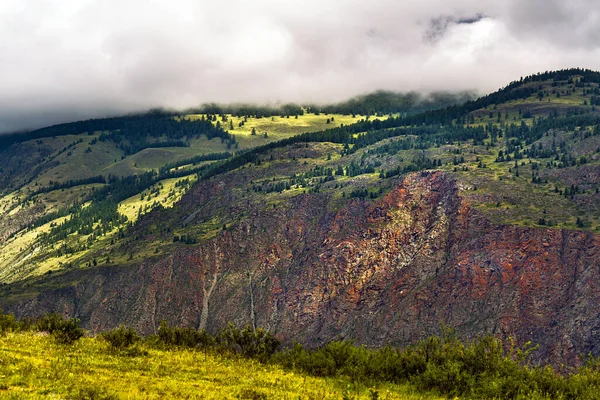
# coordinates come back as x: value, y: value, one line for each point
x: 184, y: 337
x: 8, y: 323
x: 340, y: 357
x: 91, y: 393
x: 64, y: 331
x: 251, y: 394
x: 121, y: 338
x: 250, y: 343
x: 446, y: 365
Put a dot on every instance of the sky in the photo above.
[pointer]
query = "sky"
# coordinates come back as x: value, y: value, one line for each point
x: 63, y: 60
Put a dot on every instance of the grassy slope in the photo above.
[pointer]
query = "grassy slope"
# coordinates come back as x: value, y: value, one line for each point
x: 279, y: 127
x: 87, y: 163
x: 570, y: 97
x: 18, y: 250
x: 104, y: 158
x: 20, y: 257
x: 496, y: 189
x: 32, y: 366
x: 166, y: 192
x: 512, y: 199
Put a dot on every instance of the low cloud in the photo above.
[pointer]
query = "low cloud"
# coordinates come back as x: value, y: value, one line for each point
x: 73, y: 59
x: 440, y: 25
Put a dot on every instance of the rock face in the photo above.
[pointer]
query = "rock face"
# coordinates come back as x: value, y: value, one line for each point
x: 389, y: 271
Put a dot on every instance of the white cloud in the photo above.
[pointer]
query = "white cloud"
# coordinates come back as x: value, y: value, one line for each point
x: 64, y: 59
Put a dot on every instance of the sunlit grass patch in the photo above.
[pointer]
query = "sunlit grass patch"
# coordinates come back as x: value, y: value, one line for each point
x: 278, y: 127
x: 166, y: 193
x: 33, y: 367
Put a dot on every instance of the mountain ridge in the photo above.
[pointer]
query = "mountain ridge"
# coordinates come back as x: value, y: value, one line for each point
x: 379, y: 230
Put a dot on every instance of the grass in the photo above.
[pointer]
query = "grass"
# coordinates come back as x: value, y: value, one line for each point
x: 21, y: 257
x: 32, y: 366
x: 19, y: 249
x: 49, y: 357
x: 570, y: 97
x: 87, y: 163
x: 154, y: 158
x: 509, y: 199
x: 166, y: 192
x: 10, y: 204
x: 278, y: 128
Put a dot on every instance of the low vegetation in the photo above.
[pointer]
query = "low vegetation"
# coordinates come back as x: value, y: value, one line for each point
x: 172, y: 364
x: 249, y: 363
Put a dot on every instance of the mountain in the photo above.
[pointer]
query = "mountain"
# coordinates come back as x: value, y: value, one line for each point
x: 482, y: 216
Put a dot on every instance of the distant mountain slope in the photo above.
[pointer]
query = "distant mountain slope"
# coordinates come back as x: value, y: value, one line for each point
x: 484, y: 216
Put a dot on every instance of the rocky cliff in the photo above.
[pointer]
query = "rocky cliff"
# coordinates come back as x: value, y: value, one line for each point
x: 392, y: 270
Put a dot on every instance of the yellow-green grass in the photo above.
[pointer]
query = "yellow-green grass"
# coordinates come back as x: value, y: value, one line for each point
x: 20, y: 256
x: 10, y: 204
x: 279, y: 127
x: 81, y: 163
x: 57, y: 143
x: 13, y: 203
x: 570, y: 96
x: 16, y: 251
x: 61, y: 198
x: 105, y: 158
x: 544, y: 106
x: 32, y: 366
x: 520, y: 201
x: 168, y: 194
x: 155, y: 158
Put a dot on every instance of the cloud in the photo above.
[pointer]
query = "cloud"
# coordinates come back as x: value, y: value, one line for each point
x: 438, y: 26
x: 72, y: 59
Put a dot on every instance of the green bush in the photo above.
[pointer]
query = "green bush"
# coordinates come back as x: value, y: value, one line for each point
x: 446, y: 365
x: 91, y: 393
x: 8, y: 323
x: 184, y: 337
x: 251, y: 394
x: 258, y: 344
x: 121, y: 338
x: 64, y: 331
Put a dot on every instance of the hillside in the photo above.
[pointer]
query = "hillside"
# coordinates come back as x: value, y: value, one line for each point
x: 62, y: 173
x: 142, y: 162
x: 484, y: 216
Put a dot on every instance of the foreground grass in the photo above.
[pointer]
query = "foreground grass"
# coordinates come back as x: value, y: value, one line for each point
x: 33, y: 366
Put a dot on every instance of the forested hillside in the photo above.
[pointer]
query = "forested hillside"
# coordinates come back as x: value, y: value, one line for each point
x: 378, y: 219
